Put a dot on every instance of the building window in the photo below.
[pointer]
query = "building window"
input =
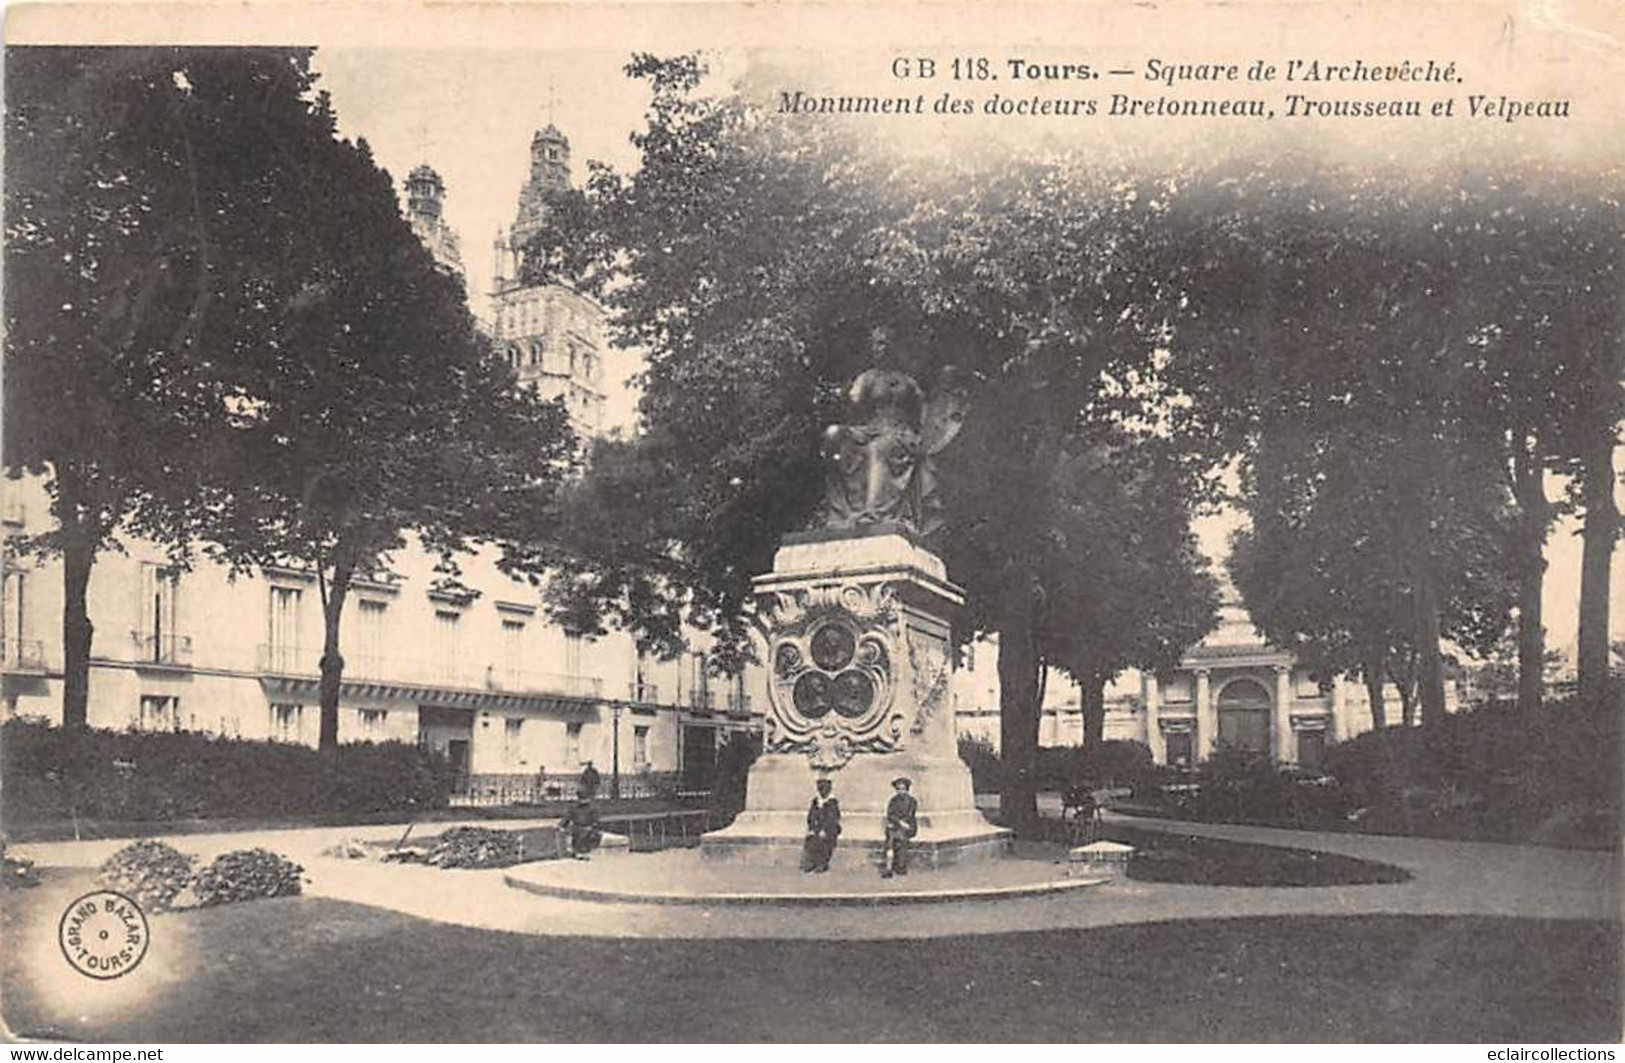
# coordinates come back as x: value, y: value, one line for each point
x: 284, y: 628
x: 699, y: 688
x: 572, y: 744
x: 572, y: 653
x: 640, y: 746
x: 287, y: 723
x: 643, y: 689
x: 159, y: 713
x: 17, y: 650
x: 156, y: 633
x: 512, y: 751
x: 369, y: 640
x: 446, y: 638
x: 372, y: 724
x: 513, y: 645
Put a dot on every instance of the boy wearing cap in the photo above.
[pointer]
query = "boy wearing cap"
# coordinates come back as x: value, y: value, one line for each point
x: 902, y: 823
x: 823, y: 827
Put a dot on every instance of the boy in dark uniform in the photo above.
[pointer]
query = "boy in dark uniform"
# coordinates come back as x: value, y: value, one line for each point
x: 823, y: 827
x: 902, y: 823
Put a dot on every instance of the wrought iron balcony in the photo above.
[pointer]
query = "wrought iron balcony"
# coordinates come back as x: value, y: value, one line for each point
x: 703, y: 698
x: 524, y: 681
x: 288, y: 660
x: 167, y: 649
x: 644, y: 693
x: 23, y: 655
x: 738, y: 703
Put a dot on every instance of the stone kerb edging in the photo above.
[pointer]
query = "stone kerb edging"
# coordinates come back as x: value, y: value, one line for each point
x: 534, y: 880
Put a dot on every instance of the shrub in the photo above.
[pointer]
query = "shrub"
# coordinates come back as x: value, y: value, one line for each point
x: 1112, y: 763
x: 1116, y: 762
x: 52, y: 774
x: 734, y: 759
x: 476, y: 847
x: 986, y: 773
x: 1239, y: 787
x: 149, y: 872
x: 246, y: 875
x: 1494, y: 773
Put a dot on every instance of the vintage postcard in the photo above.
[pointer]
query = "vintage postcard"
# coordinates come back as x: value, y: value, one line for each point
x: 812, y: 522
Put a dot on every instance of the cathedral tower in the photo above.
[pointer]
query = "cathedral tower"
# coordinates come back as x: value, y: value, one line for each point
x: 425, y: 203
x: 550, y: 333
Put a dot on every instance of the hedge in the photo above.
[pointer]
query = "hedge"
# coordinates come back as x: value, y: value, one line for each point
x: 1494, y: 773
x: 1113, y: 763
x: 54, y: 775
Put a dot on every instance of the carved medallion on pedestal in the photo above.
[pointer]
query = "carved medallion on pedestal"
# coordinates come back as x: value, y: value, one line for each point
x: 832, y: 688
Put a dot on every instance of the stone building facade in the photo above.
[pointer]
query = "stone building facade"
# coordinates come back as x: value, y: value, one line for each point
x: 1232, y: 689
x: 485, y: 677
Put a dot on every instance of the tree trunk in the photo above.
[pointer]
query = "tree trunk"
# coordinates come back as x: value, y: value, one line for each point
x: 78, y: 554
x: 1371, y: 672
x: 1429, y: 661
x: 332, y: 660
x: 1018, y: 712
x: 1092, y: 698
x: 1533, y: 519
x: 1601, y: 530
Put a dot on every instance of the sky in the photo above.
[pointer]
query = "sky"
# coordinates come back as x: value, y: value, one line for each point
x: 470, y: 109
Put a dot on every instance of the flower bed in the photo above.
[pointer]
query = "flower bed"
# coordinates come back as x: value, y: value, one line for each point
x: 246, y: 875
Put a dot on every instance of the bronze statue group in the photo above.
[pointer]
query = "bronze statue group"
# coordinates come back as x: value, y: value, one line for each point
x: 824, y: 828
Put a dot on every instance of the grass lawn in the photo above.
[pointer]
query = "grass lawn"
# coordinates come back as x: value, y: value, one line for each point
x: 314, y: 969
x: 1191, y: 860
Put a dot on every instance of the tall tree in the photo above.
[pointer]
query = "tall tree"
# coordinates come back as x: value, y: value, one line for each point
x: 146, y: 200
x: 378, y: 416
x: 1400, y: 322
x: 757, y: 257
x: 1318, y: 573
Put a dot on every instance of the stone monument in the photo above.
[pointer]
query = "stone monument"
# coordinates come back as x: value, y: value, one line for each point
x: 856, y: 617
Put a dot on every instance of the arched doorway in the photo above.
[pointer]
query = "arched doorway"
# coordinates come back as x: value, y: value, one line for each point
x: 1244, y: 716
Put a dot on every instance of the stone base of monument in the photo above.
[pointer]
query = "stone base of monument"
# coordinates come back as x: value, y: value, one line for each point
x: 772, y: 829
x: 684, y: 877
x: 769, y: 841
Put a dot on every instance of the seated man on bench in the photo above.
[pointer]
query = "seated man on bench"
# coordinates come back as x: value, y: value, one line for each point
x: 579, y: 828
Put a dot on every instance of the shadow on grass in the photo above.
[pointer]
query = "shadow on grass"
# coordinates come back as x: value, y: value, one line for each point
x: 311, y: 969
x: 1190, y: 860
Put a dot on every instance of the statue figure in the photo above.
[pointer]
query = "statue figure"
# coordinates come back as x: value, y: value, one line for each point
x: 880, y: 465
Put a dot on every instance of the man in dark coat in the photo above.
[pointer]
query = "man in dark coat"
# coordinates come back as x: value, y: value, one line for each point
x: 589, y: 780
x: 823, y: 828
x: 902, y: 823
x: 580, y: 827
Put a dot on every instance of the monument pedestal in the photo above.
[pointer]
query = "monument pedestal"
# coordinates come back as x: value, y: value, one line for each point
x: 861, y: 662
